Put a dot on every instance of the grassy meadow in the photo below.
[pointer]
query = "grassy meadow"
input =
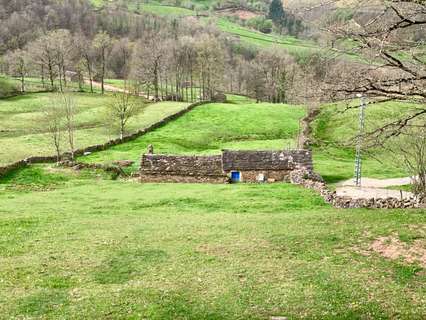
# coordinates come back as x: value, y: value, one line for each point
x: 263, y: 40
x: 243, y: 124
x: 153, y: 7
x: 334, y: 152
x: 77, y: 245
x: 84, y: 245
x: 23, y: 133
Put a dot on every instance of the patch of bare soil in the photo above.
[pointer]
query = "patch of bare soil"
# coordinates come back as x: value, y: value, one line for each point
x: 392, y: 248
x: 369, y: 193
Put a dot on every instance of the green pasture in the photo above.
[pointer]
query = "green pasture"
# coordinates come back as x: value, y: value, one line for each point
x: 77, y: 245
x: 212, y: 127
x: 23, y: 133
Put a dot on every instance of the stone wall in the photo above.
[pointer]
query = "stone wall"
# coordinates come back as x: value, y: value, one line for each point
x: 99, y: 147
x: 11, y: 167
x: 313, y: 181
x: 266, y: 160
x: 165, y: 168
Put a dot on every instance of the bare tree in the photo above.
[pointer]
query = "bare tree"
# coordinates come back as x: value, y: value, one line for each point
x: 394, y: 65
x: 53, y: 118
x: 255, y: 79
x: 43, y: 53
x: 69, y: 109
x: 210, y: 62
x: 63, y: 51
x: 120, y: 57
x: 85, y: 52
x: 413, y: 149
x: 102, y: 44
x: 123, y: 107
x: 147, y: 63
x: 19, y: 65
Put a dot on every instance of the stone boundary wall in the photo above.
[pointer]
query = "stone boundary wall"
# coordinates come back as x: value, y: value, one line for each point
x: 99, y: 147
x: 306, y: 129
x: 315, y: 182
x: 170, y: 168
x: 117, y: 171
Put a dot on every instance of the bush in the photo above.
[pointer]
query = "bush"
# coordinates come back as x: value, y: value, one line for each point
x: 7, y: 88
x: 261, y: 24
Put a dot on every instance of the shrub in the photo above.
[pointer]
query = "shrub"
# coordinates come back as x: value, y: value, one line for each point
x: 7, y: 88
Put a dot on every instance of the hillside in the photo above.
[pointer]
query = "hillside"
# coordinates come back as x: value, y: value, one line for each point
x: 75, y: 242
x: 248, y: 117
x: 212, y: 127
x: 23, y: 128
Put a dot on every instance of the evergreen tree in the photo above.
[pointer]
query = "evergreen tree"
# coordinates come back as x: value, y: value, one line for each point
x: 276, y: 12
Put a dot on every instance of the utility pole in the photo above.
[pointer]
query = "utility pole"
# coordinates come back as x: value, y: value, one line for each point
x: 358, y: 158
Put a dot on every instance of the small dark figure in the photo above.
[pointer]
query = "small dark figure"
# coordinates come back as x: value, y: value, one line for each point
x: 150, y: 149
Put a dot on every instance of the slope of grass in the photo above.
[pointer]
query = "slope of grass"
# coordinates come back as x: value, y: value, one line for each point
x: 212, y: 127
x: 253, y: 37
x: 92, y: 249
x: 154, y: 7
x: 162, y: 10
x: 335, y: 154
x: 23, y: 133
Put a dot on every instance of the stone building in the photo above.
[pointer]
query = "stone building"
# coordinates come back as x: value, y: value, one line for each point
x: 231, y: 166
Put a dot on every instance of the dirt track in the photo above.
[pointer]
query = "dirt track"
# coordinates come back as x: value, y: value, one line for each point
x: 374, y: 188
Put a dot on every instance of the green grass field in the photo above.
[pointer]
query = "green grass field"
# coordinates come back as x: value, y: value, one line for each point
x: 23, y: 133
x: 80, y: 246
x: 212, y: 127
x: 243, y: 124
x: 163, y: 10
x: 153, y: 7
x: 256, y: 38
x: 334, y: 156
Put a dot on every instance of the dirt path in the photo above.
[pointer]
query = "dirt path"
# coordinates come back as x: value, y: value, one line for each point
x: 378, y: 183
x: 374, y: 188
x: 369, y: 193
x: 111, y: 88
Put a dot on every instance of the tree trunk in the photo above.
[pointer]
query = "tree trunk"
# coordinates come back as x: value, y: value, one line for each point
x: 60, y: 79
x: 42, y: 76
x: 51, y: 75
x: 161, y: 87
x: 156, y: 81
x: 191, y: 84
x: 103, y: 72
x: 22, y: 83
x: 121, y: 130
x: 64, y: 74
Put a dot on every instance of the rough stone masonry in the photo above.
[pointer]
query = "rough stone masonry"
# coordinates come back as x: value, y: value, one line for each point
x: 252, y: 166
